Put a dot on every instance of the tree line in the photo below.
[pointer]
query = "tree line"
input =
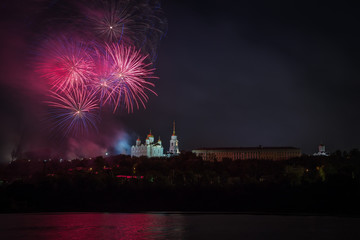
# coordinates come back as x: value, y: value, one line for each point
x: 184, y: 182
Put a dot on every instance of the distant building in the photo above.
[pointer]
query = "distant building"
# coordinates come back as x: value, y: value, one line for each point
x: 174, y: 144
x: 155, y: 149
x: 321, y: 151
x: 149, y: 149
x: 269, y: 153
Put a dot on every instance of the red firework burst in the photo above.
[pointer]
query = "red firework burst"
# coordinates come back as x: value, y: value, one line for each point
x: 65, y: 63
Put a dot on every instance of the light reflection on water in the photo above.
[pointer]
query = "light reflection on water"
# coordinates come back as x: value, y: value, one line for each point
x: 91, y: 226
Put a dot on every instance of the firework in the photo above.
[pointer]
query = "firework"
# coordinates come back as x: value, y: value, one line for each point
x: 130, y: 75
x: 112, y: 21
x: 103, y: 87
x: 74, y: 111
x: 137, y: 22
x: 108, y: 62
x: 102, y: 82
x: 65, y: 64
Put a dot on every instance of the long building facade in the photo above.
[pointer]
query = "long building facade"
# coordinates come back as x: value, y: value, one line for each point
x: 266, y: 153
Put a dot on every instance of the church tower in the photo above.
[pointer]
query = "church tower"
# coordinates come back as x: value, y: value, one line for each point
x: 174, y: 143
x: 321, y: 148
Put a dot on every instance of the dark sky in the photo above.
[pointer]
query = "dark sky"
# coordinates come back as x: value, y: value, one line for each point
x: 232, y: 73
x: 259, y: 72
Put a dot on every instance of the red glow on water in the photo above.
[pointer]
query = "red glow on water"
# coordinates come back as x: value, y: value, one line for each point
x: 90, y: 226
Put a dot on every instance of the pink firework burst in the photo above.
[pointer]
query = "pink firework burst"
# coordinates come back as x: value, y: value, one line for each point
x: 65, y: 63
x: 130, y: 75
x: 74, y: 111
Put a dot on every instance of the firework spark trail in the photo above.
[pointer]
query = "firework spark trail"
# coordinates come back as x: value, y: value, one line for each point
x: 113, y: 21
x: 102, y: 83
x: 113, y: 24
x: 65, y: 63
x: 75, y: 111
x: 104, y: 89
x: 137, y: 22
x: 129, y: 77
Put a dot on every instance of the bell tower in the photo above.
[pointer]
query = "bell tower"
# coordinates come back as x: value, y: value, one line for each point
x: 174, y: 143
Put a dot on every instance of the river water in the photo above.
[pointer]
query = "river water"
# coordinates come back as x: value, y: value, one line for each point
x: 91, y: 226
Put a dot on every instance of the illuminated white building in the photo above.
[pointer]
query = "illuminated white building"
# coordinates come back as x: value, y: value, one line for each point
x: 174, y: 144
x: 149, y: 149
x: 321, y: 151
x: 155, y: 149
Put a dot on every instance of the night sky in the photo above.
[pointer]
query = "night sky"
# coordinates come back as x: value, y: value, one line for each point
x: 271, y: 73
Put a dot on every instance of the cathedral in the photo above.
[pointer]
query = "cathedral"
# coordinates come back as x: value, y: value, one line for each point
x: 155, y: 149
